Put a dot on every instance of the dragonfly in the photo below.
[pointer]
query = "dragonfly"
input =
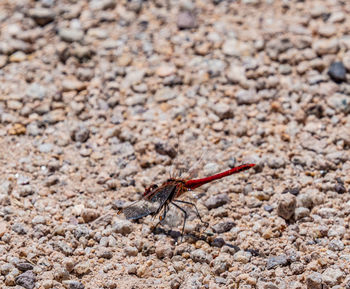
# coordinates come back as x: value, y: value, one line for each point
x: 158, y: 198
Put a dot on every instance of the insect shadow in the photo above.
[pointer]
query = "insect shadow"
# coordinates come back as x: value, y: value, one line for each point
x: 207, y: 237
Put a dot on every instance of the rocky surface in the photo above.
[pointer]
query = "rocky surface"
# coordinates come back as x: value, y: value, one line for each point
x: 101, y: 98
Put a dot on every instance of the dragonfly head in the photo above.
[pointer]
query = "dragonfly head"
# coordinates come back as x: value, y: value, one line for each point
x: 150, y: 189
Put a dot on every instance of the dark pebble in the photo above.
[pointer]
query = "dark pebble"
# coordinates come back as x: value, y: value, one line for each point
x: 337, y: 71
x: 315, y: 109
x: 26, y: 280
x: 339, y: 180
x: 218, y: 242
x: 24, y: 266
x: 165, y: 149
x: 268, y: 208
x: 339, y: 188
x: 294, y: 191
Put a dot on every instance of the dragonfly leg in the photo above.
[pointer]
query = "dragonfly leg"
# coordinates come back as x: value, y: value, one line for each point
x: 193, y: 205
x: 162, y: 217
x: 185, y: 218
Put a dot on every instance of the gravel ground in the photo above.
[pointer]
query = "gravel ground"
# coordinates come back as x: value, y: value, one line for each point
x: 99, y: 98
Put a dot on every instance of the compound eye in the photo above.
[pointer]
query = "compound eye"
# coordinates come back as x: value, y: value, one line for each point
x: 153, y: 187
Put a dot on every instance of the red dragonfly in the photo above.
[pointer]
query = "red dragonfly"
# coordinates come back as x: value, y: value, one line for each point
x: 157, y: 198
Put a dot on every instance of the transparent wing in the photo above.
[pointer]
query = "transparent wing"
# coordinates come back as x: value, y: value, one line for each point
x: 140, y: 209
x: 187, y: 165
x: 150, y: 205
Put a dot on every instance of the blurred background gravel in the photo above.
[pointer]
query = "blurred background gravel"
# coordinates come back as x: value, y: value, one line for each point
x: 96, y: 95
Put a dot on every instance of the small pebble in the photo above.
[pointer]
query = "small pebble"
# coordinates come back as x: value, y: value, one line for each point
x: 132, y: 269
x: 131, y: 251
x: 72, y: 284
x: 18, y: 56
x: 164, y: 251
x: 218, y: 242
x: 242, y: 257
x: 26, y: 280
x: 136, y: 99
x: 105, y: 254
x: 165, y: 70
x: 223, y: 110
x: 5, y: 187
x: 24, y: 266
x: 6, y: 268
x: 68, y: 264
x: 82, y: 268
x: 323, y: 47
x: 340, y: 188
x: 71, y: 35
x: 42, y: 16
x: 165, y: 94
x: 294, y: 191
x: 217, y: 201
x: 332, y: 276
x: 276, y: 162
x: 19, y: 229
x: 246, y: 97
x: 164, y: 148
x: 337, y: 17
x: 23, y: 180
x: 223, y: 227
x: 89, y: 215
x: 200, y: 256
x: 273, y: 262
x: 186, y: 20
x: 45, y: 148
x: 3, y: 60
x: 337, y: 72
x: 64, y: 248
x: 52, y: 180
x: 336, y: 245
x: 80, y: 134
x: 327, y: 30
x: 81, y: 231
x: 39, y: 220
x: 268, y: 208
x: 286, y: 206
x: 3, y: 228
x: 70, y: 84
x: 301, y: 212
x: 221, y: 263
x: 123, y: 227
